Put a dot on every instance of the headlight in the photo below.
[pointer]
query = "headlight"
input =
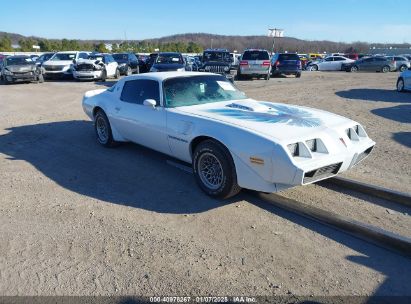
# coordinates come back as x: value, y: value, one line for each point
x: 226, y: 69
x: 7, y: 72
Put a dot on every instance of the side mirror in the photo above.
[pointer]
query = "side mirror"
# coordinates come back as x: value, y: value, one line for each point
x: 150, y: 103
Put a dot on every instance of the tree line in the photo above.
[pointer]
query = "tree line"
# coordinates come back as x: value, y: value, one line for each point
x: 46, y: 45
x: 192, y: 43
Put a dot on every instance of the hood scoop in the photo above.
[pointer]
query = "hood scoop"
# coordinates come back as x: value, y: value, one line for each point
x: 248, y: 105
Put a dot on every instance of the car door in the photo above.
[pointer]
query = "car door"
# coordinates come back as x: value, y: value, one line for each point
x: 110, y: 65
x: 338, y: 61
x: 326, y: 65
x: 139, y: 123
x: 367, y: 64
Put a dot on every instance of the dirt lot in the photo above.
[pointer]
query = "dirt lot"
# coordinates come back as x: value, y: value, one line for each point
x: 77, y: 219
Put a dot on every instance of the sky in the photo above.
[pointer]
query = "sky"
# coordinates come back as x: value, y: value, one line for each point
x: 346, y: 21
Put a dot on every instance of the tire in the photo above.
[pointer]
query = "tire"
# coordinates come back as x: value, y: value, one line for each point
x: 117, y: 74
x: 267, y: 77
x: 298, y: 75
x: 103, y: 130
x: 400, y: 85
x: 40, y: 78
x: 402, y: 68
x: 314, y: 67
x: 354, y: 69
x: 239, y: 76
x: 211, y: 153
x: 385, y: 69
x: 103, y: 76
x: 129, y: 71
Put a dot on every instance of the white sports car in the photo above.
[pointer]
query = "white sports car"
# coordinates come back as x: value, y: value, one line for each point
x: 232, y: 141
x: 331, y: 63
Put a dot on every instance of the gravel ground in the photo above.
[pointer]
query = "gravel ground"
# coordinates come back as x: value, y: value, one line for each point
x: 77, y: 219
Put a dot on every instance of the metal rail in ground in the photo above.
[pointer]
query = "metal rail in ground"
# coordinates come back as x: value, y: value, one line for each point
x: 376, y: 191
x: 369, y: 233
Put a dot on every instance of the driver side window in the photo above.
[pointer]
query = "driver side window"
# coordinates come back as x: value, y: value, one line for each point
x: 136, y: 91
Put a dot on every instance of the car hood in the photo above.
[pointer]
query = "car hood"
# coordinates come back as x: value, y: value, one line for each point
x: 21, y: 68
x: 276, y: 120
x: 58, y: 62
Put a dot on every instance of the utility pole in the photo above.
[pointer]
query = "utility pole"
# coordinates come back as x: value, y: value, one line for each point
x: 275, y: 33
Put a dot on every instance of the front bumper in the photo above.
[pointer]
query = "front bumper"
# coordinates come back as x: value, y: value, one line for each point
x: 87, y: 75
x: 15, y: 77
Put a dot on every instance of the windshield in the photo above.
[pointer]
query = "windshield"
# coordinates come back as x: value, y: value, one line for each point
x: 216, y: 56
x: 169, y: 58
x: 256, y: 55
x: 18, y: 61
x: 63, y: 56
x: 120, y: 57
x: 96, y: 57
x: 195, y: 90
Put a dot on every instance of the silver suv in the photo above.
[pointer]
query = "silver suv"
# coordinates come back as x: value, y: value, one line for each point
x: 254, y: 63
x: 401, y: 63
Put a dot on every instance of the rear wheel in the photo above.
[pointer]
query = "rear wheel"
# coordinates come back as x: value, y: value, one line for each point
x: 298, y: 75
x: 103, y: 130
x: 400, y: 85
x: 103, y: 76
x: 385, y: 69
x: 267, y: 77
x: 214, y: 170
x: 239, y: 76
x: 117, y: 74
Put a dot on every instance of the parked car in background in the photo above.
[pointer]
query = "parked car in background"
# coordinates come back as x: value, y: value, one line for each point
x: 352, y: 56
x: 286, y: 64
x: 169, y: 61
x: 43, y: 58
x: 60, y: 64
x: 127, y: 63
x: 235, y: 60
x: 408, y: 56
x: 304, y: 60
x: 315, y: 56
x: 231, y: 141
x: 331, y: 63
x: 142, y: 63
x: 401, y: 63
x: 254, y: 63
x: 191, y: 63
x: 217, y: 61
x: 370, y: 64
x: 20, y: 69
x: 404, y: 81
x: 150, y: 61
x: 96, y: 67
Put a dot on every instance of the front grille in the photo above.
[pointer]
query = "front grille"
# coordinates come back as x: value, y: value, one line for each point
x: 54, y: 67
x: 85, y: 67
x: 219, y: 69
x: 363, y: 155
x: 321, y: 173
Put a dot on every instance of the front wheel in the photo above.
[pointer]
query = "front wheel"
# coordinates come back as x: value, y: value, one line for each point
x: 103, y: 76
x: 214, y: 170
x: 354, y: 69
x: 385, y: 69
x: 129, y: 71
x: 400, y: 85
x: 103, y: 130
x: 314, y: 67
x: 403, y: 68
x: 40, y: 78
x: 117, y: 74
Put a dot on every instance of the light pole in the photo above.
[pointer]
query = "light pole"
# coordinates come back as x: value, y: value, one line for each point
x: 275, y: 33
